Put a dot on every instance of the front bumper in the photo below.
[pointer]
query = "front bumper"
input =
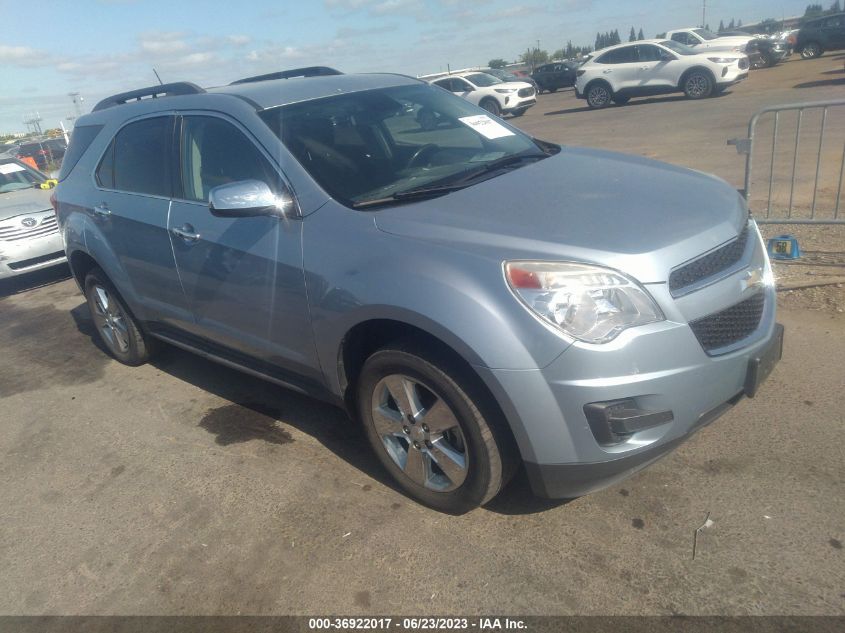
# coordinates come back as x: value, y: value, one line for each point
x: 517, y: 104
x: 28, y: 255
x: 656, y: 369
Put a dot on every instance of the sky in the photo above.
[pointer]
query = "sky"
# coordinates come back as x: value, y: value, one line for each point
x: 102, y: 47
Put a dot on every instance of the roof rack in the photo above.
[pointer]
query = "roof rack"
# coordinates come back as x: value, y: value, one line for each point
x: 309, y: 71
x: 153, y: 92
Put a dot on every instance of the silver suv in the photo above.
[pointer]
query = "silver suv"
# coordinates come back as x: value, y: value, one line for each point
x: 479, y: 299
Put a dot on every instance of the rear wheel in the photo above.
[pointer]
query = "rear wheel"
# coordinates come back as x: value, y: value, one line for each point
x: 492, y: 106
x: 116, y: 326
x: 598, y: 96
x: 811, y: 50
x: 431, y: 429
x: 698, y: 85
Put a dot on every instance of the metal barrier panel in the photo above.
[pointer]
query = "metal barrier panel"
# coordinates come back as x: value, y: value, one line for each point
x: 795, y: 163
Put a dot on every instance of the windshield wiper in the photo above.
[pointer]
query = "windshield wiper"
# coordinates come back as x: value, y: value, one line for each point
x: 448, y: 184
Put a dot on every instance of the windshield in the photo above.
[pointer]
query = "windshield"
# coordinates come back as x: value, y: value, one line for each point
x: 705, y: 34
x: 375, y: 144
x: 482, y: 80
x: 681, y: 49
x: 14, y: 176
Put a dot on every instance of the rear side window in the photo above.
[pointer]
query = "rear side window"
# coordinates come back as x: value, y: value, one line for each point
x: 136, y: 160
x: 624, y: 55
x: 80, y: 140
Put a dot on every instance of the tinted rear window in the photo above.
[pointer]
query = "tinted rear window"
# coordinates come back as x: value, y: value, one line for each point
x: 140, y: 157
x: 80, y: 140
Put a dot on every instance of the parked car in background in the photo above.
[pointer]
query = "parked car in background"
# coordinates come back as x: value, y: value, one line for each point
x: 705, y: 41
x: 551, y: 77
x: 481, y: 300
x: 651, y: 67
x: 491, y: 93
x: 47, y: 153
x: 818, y: 36
x: 508, y: 76
x: 29, y: 235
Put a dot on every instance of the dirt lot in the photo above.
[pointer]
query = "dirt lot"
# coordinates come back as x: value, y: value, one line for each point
x: 182, y: 487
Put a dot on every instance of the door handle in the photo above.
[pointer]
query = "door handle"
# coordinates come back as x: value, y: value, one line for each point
x: 186, y: 232
x: 606, y: 72
x: 102, y: 210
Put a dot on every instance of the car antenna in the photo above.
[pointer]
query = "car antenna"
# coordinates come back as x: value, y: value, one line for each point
x: 157, y: 77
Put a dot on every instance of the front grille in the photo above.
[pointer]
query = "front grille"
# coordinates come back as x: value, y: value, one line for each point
x: 710, y: 264
x: 526, y: 92
x: 731, y: 325
x: 28, y: 263
x: 743, y: 63
x: 17, y: 231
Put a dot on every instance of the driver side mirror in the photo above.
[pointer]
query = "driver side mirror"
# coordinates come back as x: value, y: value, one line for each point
x: 249, y: 198
x: 666, y: 57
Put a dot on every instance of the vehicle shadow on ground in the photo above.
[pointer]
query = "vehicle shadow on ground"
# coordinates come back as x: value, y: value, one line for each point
x: 835, y: 71
x: 630, y: 104
x: 31, y: 281
x: 822, y: 82
x: 255, y: 409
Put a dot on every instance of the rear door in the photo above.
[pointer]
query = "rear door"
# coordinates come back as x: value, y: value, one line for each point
x: 621, y: 69
x: 134, y: 185
x: 834, y: 32
x: 243, y: 276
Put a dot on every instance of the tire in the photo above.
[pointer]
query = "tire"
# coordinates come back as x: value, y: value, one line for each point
x: 698, y: 85
x: 621, y: 99
x: 116, y: 327
x: 462, y: 432
x: 811, y: 50
x: 492, y: 106
x: 517, y: 113
x: 552, y: 89
x: 598, y: 95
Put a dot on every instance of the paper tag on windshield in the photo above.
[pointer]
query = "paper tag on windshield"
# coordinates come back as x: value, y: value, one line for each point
x: 10, y: 168
x: 486, y: 126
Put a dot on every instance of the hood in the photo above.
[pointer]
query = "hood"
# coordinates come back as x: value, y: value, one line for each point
x: 725, y: 43
x: 630, y: 213
x: 23, y: 201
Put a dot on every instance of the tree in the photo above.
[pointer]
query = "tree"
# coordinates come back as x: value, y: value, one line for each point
x: 641, y: 35
x: 835, y: 7
x: 731, y: 25
x: 534, y: 57
x: 497, y: 63
x: 633, y: 35
x: 739, y: 24
x: 721, y: 26
x: 813, y: 10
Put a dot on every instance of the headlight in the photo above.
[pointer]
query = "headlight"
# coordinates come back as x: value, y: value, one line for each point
x: 505, y: 91
x: 589, y: 303
x: 722, y: 60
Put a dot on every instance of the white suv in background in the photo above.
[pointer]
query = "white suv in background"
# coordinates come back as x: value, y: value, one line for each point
x: 653, y: 67
x: 491, y: 93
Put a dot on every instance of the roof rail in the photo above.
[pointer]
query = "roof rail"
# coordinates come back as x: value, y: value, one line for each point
x: 163, y: 90
x: 309, y: 71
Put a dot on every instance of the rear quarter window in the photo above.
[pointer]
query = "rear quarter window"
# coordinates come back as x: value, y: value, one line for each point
x: 80, y: 140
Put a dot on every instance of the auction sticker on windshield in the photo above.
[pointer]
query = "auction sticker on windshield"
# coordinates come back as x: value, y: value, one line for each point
x: 486, y: 126
x: 10, y: 168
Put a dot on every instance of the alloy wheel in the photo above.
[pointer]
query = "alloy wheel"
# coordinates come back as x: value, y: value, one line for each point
x: 598, y: 97
x: 697, y: 86
x: 110, y: 320
x: 420, y: 433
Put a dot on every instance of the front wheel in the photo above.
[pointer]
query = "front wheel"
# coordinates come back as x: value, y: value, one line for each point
x: 492, y: 106
x: 811, y: 50
x: 517, y: 112
x: 598, y: 96
x: 431, y: 429
x: 698, y: 85
x: 116, y: 326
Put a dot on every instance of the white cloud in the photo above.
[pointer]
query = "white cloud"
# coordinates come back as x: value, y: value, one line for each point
x: 23, y: 56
